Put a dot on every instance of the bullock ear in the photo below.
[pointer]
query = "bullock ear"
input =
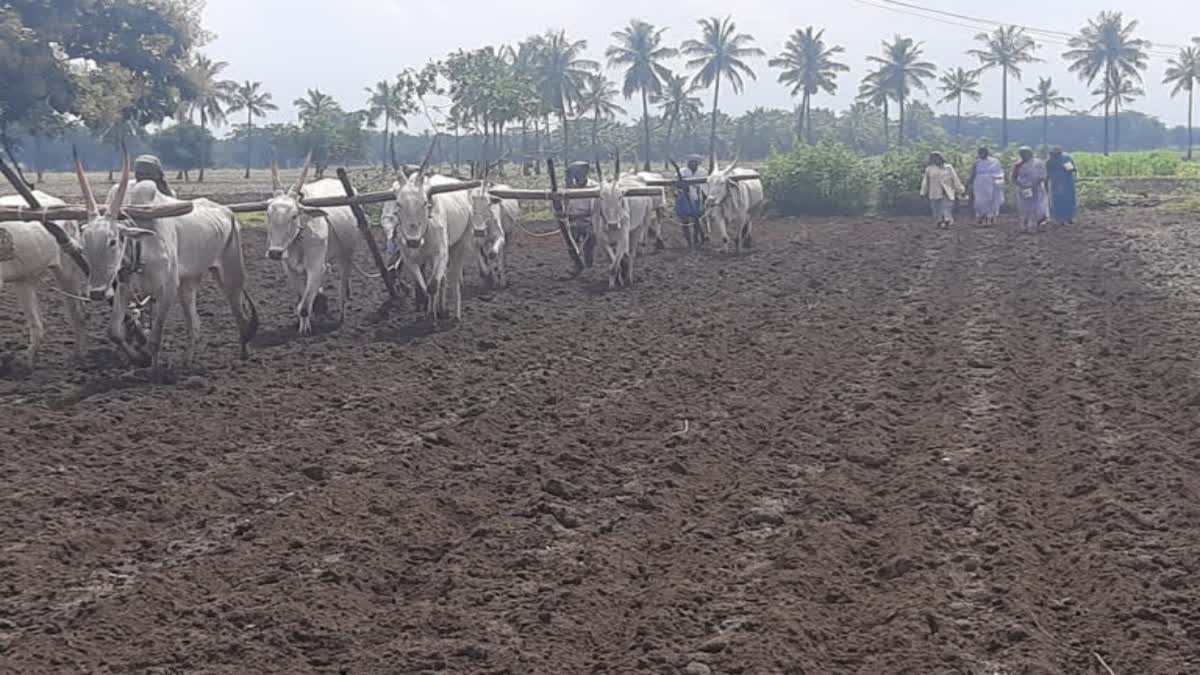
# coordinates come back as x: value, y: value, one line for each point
x: 135, y: 232
x: 314, y: 213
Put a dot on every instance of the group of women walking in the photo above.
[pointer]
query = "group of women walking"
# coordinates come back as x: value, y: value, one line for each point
x: 1034, y: 179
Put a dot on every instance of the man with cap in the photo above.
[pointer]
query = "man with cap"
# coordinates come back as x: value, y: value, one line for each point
x: 579, y: 212
x: 689, y: 202
x: 147, y: 167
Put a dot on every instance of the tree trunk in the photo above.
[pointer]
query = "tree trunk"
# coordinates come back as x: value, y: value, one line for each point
x: 1191, y: 93
x: 1046, y: 129
x: 596, y: 134
x: 524, y: 146
x: 958, y: 118
x: 203, y: 145
x: 712, y: 138
x: 800, y: 122
x: 667, y: 151
x: 887, y: 134
x: 808, y: 117
x: 646, y: 124
x: 250, y: 140
x: 566, y: 134
x: 1106, y: 104
x: 387, y: 122
x: 1004, y: 109
x: 900, y: 133
x: 1116, y: 126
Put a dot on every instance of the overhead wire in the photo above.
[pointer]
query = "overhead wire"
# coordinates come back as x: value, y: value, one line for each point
x: 1059, y: 38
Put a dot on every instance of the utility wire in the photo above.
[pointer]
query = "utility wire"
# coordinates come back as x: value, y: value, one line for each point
x: 1029, y: 29
x: 1058, y: 38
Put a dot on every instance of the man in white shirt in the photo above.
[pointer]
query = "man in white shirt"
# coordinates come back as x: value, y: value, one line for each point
x: 689, y: 203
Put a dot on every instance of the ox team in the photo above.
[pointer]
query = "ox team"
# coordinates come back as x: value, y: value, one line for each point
x: 431, y: 224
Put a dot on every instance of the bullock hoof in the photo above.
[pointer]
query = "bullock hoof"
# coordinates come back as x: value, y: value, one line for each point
x: 141, y: 359
x: 320, y: 305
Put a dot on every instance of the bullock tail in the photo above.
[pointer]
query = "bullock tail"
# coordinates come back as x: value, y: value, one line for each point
x: 251, y: 328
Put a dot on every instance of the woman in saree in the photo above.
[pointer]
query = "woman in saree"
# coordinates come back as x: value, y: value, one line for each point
x: 987, y: 184
x: 1060, y: 169
x: 1029, y: 175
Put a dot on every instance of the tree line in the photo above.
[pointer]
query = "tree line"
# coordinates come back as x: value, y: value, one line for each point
x: 543, y: 96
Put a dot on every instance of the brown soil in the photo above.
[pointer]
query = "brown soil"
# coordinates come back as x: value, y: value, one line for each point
x: 867, y: 447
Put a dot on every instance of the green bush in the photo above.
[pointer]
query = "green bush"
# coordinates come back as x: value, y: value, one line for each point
x: 1129, y: 164
x: 821, y: 180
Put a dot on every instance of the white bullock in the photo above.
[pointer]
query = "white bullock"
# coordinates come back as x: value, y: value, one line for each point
x: 732, y: 203
x: 492, y: 224
x: 659, y: 213
x: 618, y: 223
x: 432, y: 217
x: 27, y: 253
x: 305, y: 240
x: 176, y: 254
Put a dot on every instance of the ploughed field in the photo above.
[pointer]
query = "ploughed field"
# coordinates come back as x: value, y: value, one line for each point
x: 868, y: 446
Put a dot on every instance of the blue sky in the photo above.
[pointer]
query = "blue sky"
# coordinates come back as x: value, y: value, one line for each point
x: 342, y: 47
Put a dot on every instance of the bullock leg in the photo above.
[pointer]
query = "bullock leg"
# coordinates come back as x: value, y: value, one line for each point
x: 345, y: 269
x: 438, y: 278
x: 162, y: 310
x: 75, y: 310
x: 27, y: 296
x: 312, y: 286
x: 747, y: 238
x: 458, y: 260
x: 420, y: 290
x: 233, y: 287
x: 191, y: 319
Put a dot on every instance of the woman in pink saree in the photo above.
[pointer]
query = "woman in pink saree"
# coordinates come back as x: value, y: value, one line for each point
x: 987, y: 185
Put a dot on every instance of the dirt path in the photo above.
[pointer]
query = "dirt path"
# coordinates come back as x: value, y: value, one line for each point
x: 865, y: 448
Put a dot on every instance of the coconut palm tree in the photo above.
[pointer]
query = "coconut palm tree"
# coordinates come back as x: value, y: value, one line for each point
x: 1043, y: 99
x: 211, y: 95
x: 720, y: 54
x: 1119, y: 90
x: 640, y: 50
x: 957, y: 85
x: 808, y: 65
x: 873, y: 91
x: 391, y: 101
x: 678, y: 106
x: 249, y: 96
x: 563, y: 71
x: 597, y: 99
x: 1183, y: 72
x: 1106, y: 45
x: 314, y: 105
x: 901, y: 70
x: 1006, y: 48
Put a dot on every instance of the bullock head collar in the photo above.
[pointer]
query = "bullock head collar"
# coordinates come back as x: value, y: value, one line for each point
x: 104, y: 238
x: 287, y: 218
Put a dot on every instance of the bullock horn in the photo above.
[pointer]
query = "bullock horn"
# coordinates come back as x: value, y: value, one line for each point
x: 89, y: 199
x: 733, y: 164
x: 118, y: 199
x: 303, y: 174
x: 17, y: 167
x: 276, y: 184
x: 453, y: 187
